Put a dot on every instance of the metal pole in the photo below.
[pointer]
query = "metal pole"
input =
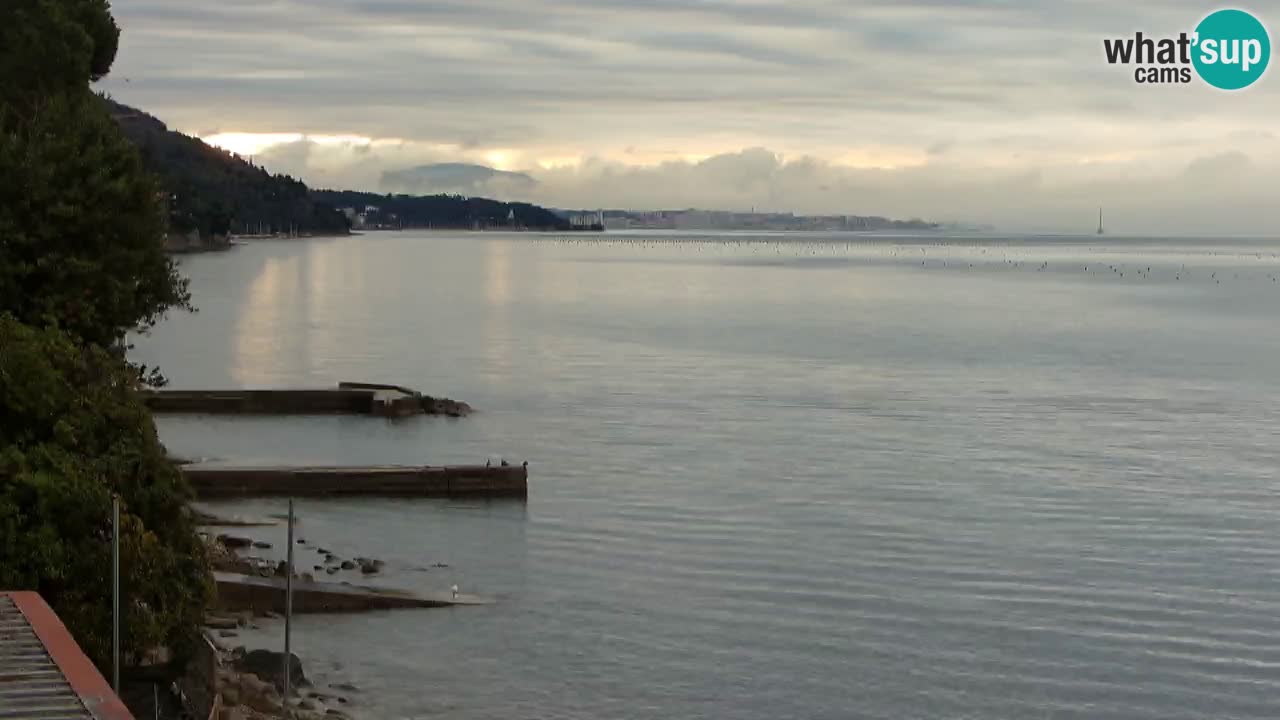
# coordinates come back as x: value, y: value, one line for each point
x: 115, y: 594
x: 288, y: 613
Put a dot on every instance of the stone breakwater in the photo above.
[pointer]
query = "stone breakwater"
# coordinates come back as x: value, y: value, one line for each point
x: 261, y: 595
x: 348, y: 398
x: 444, y: 481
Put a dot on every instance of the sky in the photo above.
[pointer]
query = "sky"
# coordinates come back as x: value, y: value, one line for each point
x: 999, y: 112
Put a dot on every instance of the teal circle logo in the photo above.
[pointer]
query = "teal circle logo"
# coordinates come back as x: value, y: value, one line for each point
x: 1232, y: 49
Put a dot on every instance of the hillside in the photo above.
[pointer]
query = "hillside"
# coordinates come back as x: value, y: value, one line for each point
x: 442, y: 211
x: 216, y: 192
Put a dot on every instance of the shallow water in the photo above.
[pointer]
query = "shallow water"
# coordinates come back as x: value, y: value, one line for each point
x: 785, y: 475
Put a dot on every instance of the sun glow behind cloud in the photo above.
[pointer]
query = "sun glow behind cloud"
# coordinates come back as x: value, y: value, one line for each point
x: 250, y: 143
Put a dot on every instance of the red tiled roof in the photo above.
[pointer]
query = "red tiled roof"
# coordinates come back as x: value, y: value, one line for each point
x: 43, y: 673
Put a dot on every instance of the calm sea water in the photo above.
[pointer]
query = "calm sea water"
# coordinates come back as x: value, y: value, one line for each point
x: 788, y: 476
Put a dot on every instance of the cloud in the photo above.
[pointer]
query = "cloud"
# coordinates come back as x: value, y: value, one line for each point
x: 940, y: 147
x: 1222, y: 166
x: 927, y: 106
x: 458, y: 178
x: 1215, y: 193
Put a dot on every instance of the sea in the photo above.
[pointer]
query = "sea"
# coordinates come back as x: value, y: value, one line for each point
x: 812, y: 476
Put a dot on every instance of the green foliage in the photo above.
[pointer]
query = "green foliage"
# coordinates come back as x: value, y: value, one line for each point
x: 80, y: 222
x: 80, y: 227
x: 80, y: 265
x: 73, y: 432
x: 49, y: 46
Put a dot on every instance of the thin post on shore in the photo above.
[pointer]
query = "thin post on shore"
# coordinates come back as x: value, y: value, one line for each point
x: 115, y: 594
x: 288, y: 615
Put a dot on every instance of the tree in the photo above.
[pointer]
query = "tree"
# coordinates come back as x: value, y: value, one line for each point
x: 81, y: 222
x: 49, y: 46
x: 73, y: 432
x: 81, y: 264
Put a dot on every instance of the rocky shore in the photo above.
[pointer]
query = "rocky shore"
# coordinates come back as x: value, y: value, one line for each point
x: 246, y: 683
x: 223, y: 556
x: 195, y: 242
x: 249, y: 684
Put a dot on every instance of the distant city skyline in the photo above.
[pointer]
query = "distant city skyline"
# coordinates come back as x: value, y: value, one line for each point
x: 973, y: 111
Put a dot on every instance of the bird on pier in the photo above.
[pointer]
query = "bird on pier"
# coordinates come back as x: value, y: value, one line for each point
x: 455, y: 592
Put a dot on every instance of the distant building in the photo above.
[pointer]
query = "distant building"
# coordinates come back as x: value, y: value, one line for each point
x: 587, y: 220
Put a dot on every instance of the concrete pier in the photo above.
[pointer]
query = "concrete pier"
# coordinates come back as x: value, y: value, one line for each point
x: 448, y: 481
x: 237, y: 593
x: 346, y: 399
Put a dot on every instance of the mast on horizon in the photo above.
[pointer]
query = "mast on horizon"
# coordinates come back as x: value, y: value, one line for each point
x: 1099, y: 221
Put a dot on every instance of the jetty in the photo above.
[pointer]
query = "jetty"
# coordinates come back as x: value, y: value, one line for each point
x: 348, y: 398
x: 237, y: 593
x: 442, y: 481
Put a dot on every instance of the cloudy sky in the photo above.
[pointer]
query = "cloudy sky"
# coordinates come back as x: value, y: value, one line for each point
x: 989, y: 111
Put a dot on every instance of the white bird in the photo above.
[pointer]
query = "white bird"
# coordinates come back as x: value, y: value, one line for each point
x: 455, y: 592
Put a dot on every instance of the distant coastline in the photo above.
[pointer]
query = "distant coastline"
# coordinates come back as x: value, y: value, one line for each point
x: 193, y: 242
x: 698, y: 219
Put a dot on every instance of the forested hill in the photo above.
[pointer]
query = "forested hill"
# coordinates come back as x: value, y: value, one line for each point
x: 216, y: 192
x: 441, y: 211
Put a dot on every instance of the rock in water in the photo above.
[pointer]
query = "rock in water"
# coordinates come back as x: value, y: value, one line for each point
x: 221, y: 623
x: 235, y: 541
x: 444, y: 406
x: 269, y: 665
